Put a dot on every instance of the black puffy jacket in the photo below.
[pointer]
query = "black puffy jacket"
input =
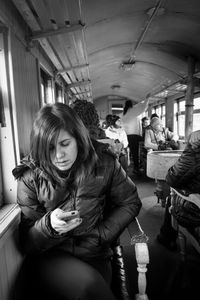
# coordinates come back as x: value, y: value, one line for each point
x: 185, y: 173
x: 108, y: 189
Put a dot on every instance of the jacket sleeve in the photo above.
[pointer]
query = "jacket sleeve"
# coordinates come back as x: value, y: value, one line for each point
x: 183, y: 170
x: 124, y: 204
x: 170, y: 135
x: 138, y: 108
x: 36, y: 233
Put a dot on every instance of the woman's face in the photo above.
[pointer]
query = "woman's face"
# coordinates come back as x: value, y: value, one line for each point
x: 118, y: 123
x: 63, y: 151
x: 158, y: 127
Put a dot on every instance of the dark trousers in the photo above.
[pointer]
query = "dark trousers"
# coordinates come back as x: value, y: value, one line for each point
x: 60, y: 276
x: 133, y: 142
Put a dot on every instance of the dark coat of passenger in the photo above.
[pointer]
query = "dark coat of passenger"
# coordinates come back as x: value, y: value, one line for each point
x: 108, y: 189
x: 185, y: 173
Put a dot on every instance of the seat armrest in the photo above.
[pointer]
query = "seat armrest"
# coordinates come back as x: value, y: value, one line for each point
x: 136, y: 233
x: 139, y: 240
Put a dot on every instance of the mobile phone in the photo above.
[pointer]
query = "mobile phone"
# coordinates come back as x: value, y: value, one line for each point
x: 70, y: 215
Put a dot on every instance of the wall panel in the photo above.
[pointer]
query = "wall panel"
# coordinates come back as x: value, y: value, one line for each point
x: 26, y: 91
x: 10, y: 260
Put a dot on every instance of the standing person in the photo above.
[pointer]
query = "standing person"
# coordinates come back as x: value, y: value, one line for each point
x: 116, y: 132
x: 184, y: 176
x: 132, y: 125
x: 75, y: 200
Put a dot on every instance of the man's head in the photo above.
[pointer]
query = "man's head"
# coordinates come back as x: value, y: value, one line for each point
x: 113, y: 120
x: 145, y: 122
x: 89, y: 116
x: 156, y: 124
x: 154, y: 116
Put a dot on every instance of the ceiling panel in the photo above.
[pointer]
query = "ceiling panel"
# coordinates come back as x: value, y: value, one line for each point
x: 141, y: 46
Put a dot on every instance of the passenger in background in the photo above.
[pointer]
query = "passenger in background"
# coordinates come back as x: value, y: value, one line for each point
x: 142, y: 149
x: 89, y: 116
x: 184, y: 176
x: 154, y: 115
x: 159, y: 138
x: 75, y: 200
x: 116, y: 132
x: 132, y: 125
x: 145, y: 124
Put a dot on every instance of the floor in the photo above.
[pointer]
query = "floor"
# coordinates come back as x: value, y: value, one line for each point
x: 167, y: 276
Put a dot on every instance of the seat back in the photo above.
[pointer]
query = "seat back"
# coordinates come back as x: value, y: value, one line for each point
x: 186, y: 234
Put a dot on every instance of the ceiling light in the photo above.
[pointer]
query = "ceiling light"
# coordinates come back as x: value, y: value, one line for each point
x: 115, y: 86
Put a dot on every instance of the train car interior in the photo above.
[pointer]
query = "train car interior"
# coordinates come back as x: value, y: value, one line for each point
x: 105, y: 52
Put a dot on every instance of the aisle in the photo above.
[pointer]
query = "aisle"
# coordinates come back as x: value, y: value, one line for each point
x: 167, y: 277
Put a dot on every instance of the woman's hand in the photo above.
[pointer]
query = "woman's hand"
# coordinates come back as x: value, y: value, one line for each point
x: 64, y: 221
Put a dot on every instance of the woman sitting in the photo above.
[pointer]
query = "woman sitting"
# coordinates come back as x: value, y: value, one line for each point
x: 75, y: 201
x: 159, y: 138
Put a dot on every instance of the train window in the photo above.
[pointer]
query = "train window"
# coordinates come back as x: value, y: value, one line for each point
x: 175, y: 122
x: 179, y: 118
x: 162, y: 114
x: 58, y: 93
x: 160, y: 110
x: 196, y: 114
x: 47, y: 94
x: 116, y: 108
x: 182, y: 106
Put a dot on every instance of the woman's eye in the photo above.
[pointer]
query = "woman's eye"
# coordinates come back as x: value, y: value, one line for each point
x: 65, y: 144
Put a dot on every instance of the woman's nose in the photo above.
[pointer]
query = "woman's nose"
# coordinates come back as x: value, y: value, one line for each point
x: 59, y: 152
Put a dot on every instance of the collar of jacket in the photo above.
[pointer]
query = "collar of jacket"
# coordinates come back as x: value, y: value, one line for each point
x: 28, y: 163
x: 102, y: 148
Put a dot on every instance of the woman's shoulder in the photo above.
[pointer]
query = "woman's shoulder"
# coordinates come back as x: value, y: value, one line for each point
x: 149, y: 130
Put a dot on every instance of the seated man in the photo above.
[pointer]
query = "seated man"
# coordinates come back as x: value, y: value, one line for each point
x: 184, y: 176
x: 159, y: 138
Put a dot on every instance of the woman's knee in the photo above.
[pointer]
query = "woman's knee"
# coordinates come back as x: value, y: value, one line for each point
x: 65, y: 277
x: 69, y: 276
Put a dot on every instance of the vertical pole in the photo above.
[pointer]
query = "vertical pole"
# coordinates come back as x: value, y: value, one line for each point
x: 189, y: 98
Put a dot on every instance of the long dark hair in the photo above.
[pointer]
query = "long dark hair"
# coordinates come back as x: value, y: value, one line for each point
x: 88, y: 114
x: 128, y: 104
x: 49, y: 121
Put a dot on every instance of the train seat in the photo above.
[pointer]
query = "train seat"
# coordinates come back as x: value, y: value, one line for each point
x: 186, y: 235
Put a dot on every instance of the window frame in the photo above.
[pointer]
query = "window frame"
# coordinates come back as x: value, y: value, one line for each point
x: 46, y: 87
x: 181, y: 113
x: 8, y: 129
x: 160, y: 110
